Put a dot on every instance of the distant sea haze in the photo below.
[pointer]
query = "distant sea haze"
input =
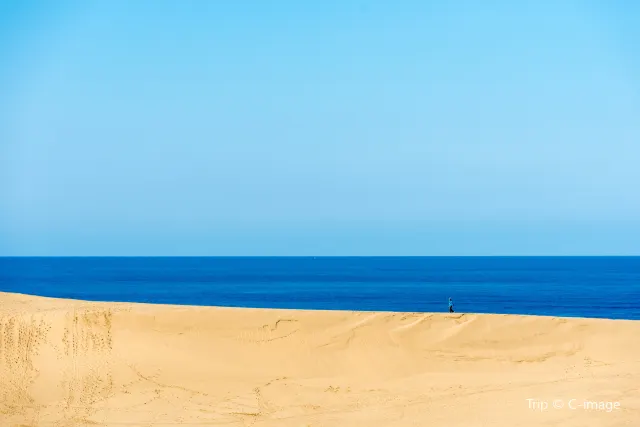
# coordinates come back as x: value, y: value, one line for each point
x: 603, y: 287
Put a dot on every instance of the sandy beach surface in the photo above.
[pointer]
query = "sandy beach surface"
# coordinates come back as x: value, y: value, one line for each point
x: 74, y: 363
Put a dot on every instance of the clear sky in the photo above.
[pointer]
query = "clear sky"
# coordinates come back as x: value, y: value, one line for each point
x: 404, y: 127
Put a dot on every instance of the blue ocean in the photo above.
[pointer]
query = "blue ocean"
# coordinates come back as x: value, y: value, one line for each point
x: 604, y: 287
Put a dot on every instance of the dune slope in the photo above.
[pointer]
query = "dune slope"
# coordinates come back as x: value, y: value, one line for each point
x: 73, y: 363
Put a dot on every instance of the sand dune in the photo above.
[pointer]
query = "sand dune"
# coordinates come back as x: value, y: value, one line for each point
x: 73, y: 363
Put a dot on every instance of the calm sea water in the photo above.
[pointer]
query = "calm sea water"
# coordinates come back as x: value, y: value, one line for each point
x: 584, y: 287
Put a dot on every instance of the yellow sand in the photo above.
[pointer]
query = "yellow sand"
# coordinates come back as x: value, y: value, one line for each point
x: 72, y: 363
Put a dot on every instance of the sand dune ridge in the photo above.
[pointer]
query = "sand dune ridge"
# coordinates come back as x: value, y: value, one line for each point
x: 73, y: 363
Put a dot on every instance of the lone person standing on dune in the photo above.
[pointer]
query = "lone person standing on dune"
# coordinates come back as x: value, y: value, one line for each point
x: 450, y: 305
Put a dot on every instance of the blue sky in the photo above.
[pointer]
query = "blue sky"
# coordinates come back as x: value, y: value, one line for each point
x: 319, y: 128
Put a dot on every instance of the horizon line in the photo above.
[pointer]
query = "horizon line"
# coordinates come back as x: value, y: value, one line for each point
x: 321, y: 256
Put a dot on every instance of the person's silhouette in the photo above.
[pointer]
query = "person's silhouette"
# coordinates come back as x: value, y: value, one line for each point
x: 450, y: 306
